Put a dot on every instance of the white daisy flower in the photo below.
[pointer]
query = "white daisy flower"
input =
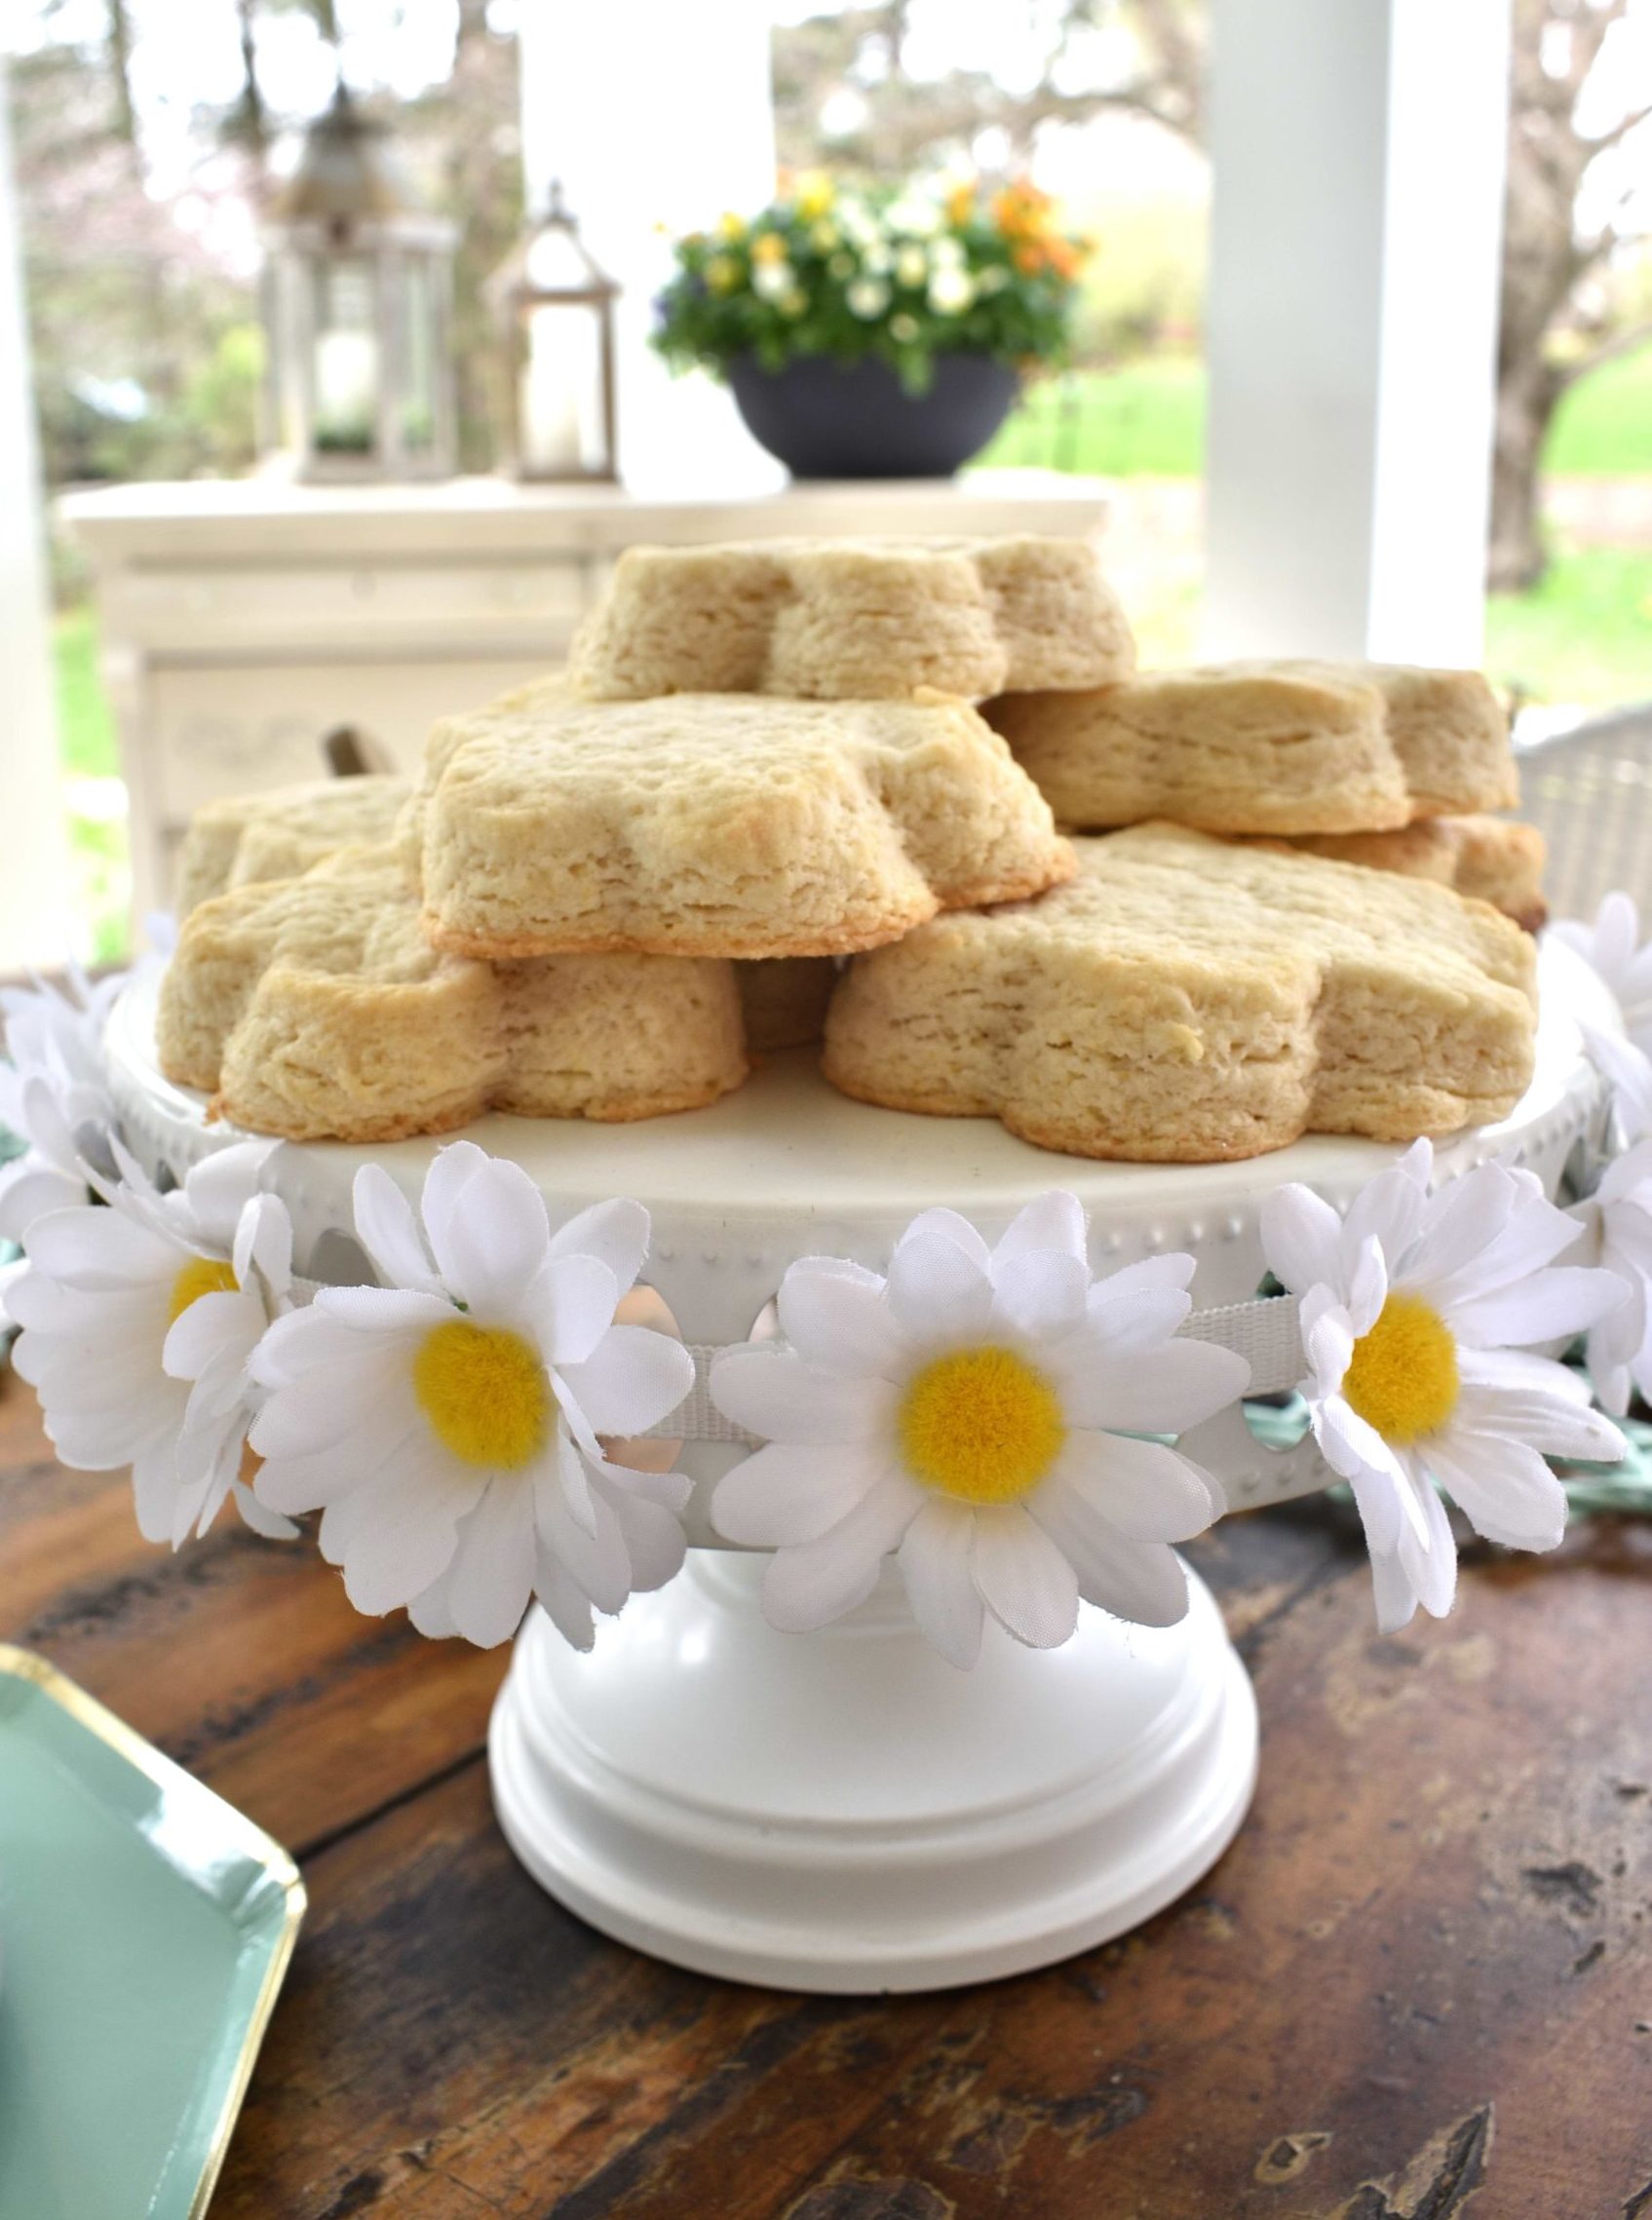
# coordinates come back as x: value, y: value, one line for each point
x: 979, y: 1412
x: 138, y: 1324
x: 446, y: 1423
x: 1417, y: 1311
x: 867, y: 298
x: 54, y: 1095
x: 1617, y: 1223
x: 1612, y: 949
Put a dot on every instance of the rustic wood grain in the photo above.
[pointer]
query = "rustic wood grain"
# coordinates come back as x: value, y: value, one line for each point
x: 1418, y: 1986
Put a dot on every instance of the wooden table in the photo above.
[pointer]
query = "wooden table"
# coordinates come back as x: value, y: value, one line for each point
x: 1419, y: 1984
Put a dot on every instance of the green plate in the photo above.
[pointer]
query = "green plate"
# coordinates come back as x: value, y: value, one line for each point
x: 144, y: 1929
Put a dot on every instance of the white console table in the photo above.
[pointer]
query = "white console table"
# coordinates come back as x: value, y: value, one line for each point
x: 243, y: 621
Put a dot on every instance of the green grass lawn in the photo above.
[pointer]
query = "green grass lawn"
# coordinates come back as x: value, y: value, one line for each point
x: 1147, y: 420
x: 1585, y: 635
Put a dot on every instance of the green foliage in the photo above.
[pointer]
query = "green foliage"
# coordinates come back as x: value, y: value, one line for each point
x: 1603, y: 425
x: 85, y: 731
x: 904, y: 274
x: 1146, y: 420
x: 1579, y: 637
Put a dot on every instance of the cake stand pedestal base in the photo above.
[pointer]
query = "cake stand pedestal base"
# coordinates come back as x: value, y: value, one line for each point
x: 844, y: 1811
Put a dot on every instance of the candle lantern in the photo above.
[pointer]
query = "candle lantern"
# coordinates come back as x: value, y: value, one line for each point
x: 556, y: 311
x: 358, y: 299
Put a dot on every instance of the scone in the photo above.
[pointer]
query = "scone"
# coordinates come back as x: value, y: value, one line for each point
x: 834, y: 620
x: 1491, y: 858
x: 314, y: 1008
x: 718, y: 824
x: 276, y: 834
x: 1185, y: 1000
x: 1278, y: 748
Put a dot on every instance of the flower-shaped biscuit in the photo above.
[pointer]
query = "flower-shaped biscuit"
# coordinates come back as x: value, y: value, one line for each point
x: 1185, y: 1000
x: 313, y: 1007
x: 718, y: 824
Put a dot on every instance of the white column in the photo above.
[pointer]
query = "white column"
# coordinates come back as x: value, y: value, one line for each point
x: 35, y: 924
x: 657, y: 116
x: 1358, y: 152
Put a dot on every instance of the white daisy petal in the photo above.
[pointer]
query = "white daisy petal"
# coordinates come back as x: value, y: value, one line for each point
x: 451, y: 1171
x: 654, y: 1540
x: 383, y: 1310
x: 1377, y: 1499
x: 1053, y: 1221
x: 97, y: 1249
x: 934, y: 1561
x: 615, y: 1233
x: 571, y: 1302
x: 1143, y: 1487
x: 1428, y: 1558
x: 950, y: 1226
x: 389, y: 1232
x: 834, y: 1315
x: 937, y: 1290
x: 1171, y: 1271
x: 1388, y: 1210
x: 1136, y: 1317
x: 1367, y: 1287
x: 787, y: 1494
x: 496, y: 1243
x: 1038, y: 1295
x: 491, y: 1574
x: 1546, y: 1306
x: 1503, y: 1487
x: 630, y: 1379
x: 1301, y: 1236
x: 818, y: 1581
x: 262, y: 1520
x: 1153, y: 1391
x: 774, y: 1394
x: 563, y: 1604
x: 1395, y: 1598
x: 1025, y: 1580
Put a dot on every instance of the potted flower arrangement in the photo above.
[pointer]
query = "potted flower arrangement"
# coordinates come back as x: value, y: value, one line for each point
x: 877, y: 333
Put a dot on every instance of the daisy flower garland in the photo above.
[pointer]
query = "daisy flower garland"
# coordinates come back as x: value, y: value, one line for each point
x: 138, y: 1324
x: 448, y: 1422
x: 54, y: 1095
x: 978, y: 1412
x: 1417, y: 1313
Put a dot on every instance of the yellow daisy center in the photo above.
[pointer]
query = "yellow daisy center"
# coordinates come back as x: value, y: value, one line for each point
x: 485, y: 1393
x: 1403, y: 1375
x: 201, y: 1275
x: 983, y: 1424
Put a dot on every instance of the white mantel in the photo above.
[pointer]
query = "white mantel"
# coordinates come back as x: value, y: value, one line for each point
x: 244, y: 620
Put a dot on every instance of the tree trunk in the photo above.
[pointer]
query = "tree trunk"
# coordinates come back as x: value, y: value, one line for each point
x: 1529, y: 390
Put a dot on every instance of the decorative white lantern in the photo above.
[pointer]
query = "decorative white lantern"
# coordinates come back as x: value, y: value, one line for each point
x: 555, y: 311
x: 357, y: 297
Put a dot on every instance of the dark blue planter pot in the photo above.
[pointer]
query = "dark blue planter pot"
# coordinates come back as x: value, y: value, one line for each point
x: 828, y: 419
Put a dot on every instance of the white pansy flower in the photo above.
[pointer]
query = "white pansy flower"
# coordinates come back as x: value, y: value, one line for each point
x: 867, y: 298
x: 774, y: 281
x: 915, y: 215
x: 951, y: 291
x: 54, y: 1095
x: 446, y: 1423
x: 139, y: 1321
x: 1617, y: 1223
x: 1417, y: 1313
x: 979, y: 1412
x: 911, y: 265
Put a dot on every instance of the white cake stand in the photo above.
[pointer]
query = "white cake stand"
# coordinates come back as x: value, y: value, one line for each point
x: 844, y: 1811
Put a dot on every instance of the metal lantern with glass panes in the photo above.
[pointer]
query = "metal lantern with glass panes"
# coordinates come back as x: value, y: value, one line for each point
x: 555, y: 311
x: 357, y: 300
